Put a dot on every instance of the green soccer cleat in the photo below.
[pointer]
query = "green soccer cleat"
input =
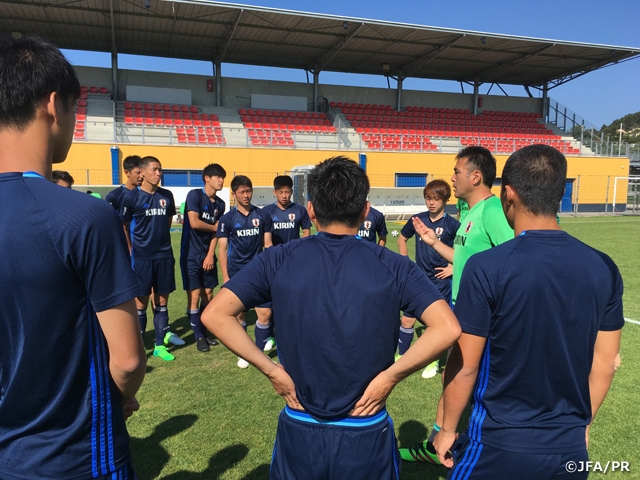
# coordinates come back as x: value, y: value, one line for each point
x: 162, y: 353
x: 423, y: 452
x: 431, y: 370
x: 269, y: 345
x: 173, y: 339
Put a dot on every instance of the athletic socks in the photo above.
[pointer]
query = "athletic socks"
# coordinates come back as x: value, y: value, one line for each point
x: 161, y: 324
x: 244, y: 325
x: 262, y: 332
x: 196, y: 324
x: 142, y: 318
x: 404, y: 340
x: 434, y: 432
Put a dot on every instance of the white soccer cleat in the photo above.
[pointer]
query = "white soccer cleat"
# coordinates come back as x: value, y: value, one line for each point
x: 431, y: 370
x: 269, y: 344
x: 173, y: 339
x: 242, y: 363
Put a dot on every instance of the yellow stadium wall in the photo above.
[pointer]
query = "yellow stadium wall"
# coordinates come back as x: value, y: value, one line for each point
x: 90, y: 164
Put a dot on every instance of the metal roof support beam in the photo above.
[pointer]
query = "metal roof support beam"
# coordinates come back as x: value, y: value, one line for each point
x: 400, y: 80
x: 227, y: 41
x: 316, y: 81
x: 544, y: 110
x: 511, y: 64
x: 322, y: 62
x: 217, y: 66
x: 114, y: 56
x: 476, y: 88
x: 410, y: 68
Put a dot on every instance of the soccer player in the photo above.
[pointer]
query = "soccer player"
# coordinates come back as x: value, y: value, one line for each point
x: 147, y: 212
x: 72, y: 357
x: 62, y: 178
x: 131, y: 167
x: 541, y: 300
x: 335, y: 299
x: 374, y: 227
x: 484, y: 227
x: 436, y: 195
x: 243, y: 232
x: 197, y: 248
x: 288, y: 219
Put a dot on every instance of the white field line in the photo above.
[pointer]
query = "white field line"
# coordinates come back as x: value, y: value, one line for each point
x: 632, y: 321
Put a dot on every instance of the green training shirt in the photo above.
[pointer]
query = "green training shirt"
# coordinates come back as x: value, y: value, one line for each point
x: 484, y: 226
x: 463, y: 209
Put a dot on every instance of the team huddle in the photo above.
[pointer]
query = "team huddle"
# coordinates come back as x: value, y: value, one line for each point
x: 523, y: 320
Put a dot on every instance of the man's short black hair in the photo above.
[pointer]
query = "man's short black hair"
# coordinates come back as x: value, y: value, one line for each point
x: 479, y: 158
x: 131, y: 162
x: 61, y: 175
x: 538, y: 175
x: 240, y: 181
x: 338, y: 190
x: 145, y: 161
x: 30, y: 70
x: 282, y: 181
x: 213, y: 170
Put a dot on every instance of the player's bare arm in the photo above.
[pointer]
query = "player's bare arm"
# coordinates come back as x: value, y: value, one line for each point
x: 459, y: 379
x: 220, y: 318
x: 223, y: 244
x: 429, y: 237
x: 127, y: 235
x: 382, y: 241
x: 602, y: 370
x: 442, y: 331
x: 209, y: 259
x: 127, y: 358
x: 268, y: 241
x: 402, y: 245
x: 306, y: 232
x: 195, y: 222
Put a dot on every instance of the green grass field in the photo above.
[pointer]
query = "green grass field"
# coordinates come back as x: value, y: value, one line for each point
x: 201, y: 417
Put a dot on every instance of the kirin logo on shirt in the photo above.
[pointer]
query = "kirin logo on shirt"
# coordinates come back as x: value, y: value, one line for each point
x: 367, y: 225
x: 292, y: 216
x: 215, y: 212
x: 255, y: 222
x: 163, y: 202
x: 439, y: 231
x: 468, y: 227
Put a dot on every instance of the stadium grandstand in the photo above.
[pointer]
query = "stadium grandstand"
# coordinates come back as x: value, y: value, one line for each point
x: 261, y: 128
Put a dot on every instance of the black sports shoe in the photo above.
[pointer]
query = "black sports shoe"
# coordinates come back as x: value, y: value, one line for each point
x: 202, y: 345
x: 211, y: 340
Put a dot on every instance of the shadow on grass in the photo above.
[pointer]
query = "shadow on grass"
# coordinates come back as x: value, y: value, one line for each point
x: 149, y: 456
x: 259, y: 473
x: 410, y: 434
x: 218, y: 464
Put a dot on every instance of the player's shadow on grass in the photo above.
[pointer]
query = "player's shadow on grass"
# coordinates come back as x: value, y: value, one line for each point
x: 219, y: 463
x: 149, y: 456
x: 259, y: 473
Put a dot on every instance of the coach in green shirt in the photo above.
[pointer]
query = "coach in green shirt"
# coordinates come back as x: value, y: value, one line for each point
x: 482, y: 227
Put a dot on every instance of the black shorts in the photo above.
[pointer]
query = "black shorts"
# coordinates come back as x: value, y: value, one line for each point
x: 195, y: 277
x: 475, y: 461
x: 158, y: 274
x: 355, y: 448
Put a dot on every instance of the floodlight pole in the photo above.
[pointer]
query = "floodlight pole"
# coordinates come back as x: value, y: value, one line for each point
x: 400, y: 80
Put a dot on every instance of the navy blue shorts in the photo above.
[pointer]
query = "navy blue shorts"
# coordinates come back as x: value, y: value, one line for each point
x: 125, y: 472
x: 262, y: 305
x: 157, y: 274
x: 194, y: 277
x: 355, y: 448
x: 475, y: 461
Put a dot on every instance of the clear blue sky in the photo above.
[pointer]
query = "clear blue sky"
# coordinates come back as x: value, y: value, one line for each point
x: 600, y: 97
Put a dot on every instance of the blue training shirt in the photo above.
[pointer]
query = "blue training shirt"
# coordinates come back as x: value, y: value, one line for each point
x: 372, y: 225
x: 426, y: 257
x: 245, y: 234
x: 335, y: 302
x: 540, y: 300
x: 64, y: 257
x: 288, y: 222
x: 209, y: 211
x: 150, y: 215
x: 115, y: 196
